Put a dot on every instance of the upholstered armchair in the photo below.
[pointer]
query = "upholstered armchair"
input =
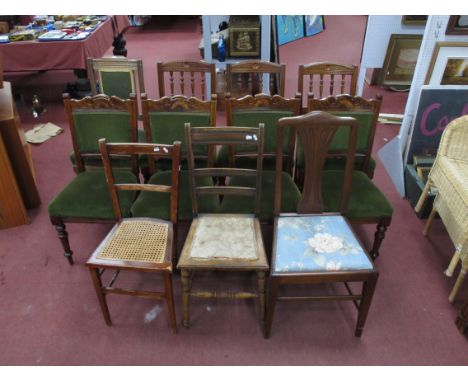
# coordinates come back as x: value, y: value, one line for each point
x: 449, y: 175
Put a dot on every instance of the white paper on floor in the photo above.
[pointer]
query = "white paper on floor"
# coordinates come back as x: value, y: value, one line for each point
x: 42, y: 132
x: 152, y: 314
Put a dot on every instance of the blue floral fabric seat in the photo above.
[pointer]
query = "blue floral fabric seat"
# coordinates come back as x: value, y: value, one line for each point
x: 316, y: 244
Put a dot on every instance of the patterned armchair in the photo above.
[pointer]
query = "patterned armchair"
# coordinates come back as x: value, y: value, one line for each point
x: 450, y: 175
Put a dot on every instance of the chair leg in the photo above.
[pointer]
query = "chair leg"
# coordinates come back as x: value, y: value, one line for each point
x: 273, y: 287
x: 186, y: 286
x: 367, y: 292
x: 170, y: 301
x: 423, y: 196
x: 429, y: 221
x: 453, y: 264
x: 379, y: 235
x: 261, y: 295
x: 63, y: 236
x: 458, y: 283
x: 101, y: 296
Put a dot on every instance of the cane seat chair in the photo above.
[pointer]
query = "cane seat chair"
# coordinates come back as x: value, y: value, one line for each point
x: 186, y: 78
x: 311, y: 246
x: 251, y: 77
x: 326, y: 78
x: 137, y: 244
x: 85, y: 199
x: 223, y: 242
x: 163, y: 121
x: 449, y: 175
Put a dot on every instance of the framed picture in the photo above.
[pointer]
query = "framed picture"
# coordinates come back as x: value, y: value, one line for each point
x: 289, y: 28
x: 244, y: 36
x: 313, y: 24
x: 449, y: 64
x: 414, y: 20
x: 400, y: 60
x: 457, y: 25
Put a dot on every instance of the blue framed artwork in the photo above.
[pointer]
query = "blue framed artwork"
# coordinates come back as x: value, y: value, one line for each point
x: 313, y: 24
x: 289, y: 28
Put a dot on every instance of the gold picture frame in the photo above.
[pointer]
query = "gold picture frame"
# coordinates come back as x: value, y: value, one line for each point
x: 400, y: 60
x: 449, y: 64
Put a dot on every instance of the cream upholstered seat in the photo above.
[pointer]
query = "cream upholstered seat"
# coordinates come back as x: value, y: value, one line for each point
x: 449, y: 175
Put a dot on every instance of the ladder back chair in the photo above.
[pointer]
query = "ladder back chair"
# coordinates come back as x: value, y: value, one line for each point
x: 163, y: 121
x: 326, y: 78
x: 249, y: 77
x: 223, y: 242
x: 191, y: 79
x: 311, y: 246
x: 137, y: 244
x: 86, y: 199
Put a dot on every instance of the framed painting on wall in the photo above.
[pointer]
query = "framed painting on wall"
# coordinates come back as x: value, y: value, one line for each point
x: 414, y: 19
x: 449, y: 64
x: 289, y: 28
x: 457, y: 25
x: 313, y: 24
x: 400, y: 60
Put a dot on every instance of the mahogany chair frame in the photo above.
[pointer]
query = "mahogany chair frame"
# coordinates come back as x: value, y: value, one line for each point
x: 263, y: 102
x: 99, y: 102
x: 316, y: 130
x: 97, y: 266
x: 187, y: 265
x: 258, y: 68
x: 322, y: 69
x: 182, y: 67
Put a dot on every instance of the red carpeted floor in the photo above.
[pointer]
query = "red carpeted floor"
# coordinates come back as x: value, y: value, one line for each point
x: 49, y: 314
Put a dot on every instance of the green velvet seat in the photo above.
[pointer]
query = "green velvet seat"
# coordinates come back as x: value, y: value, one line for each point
x: 340, y: 143
x: 366, y: 201
x: 252, y: 118
x: 87, y: 197
x: 238, y: 204
x: 156, y: 205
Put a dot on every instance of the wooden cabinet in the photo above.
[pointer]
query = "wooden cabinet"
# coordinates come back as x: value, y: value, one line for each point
x: 18, y: 189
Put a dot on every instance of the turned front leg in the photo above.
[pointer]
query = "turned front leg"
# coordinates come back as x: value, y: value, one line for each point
x: 63, y: 236
x: 261, y: 294
x: 186, y: 286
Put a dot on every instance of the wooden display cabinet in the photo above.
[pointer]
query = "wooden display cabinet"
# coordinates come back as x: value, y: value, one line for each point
x: 18, y: 189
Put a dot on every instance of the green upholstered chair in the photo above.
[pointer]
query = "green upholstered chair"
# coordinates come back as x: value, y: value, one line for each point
x: 248, y: 77
x: 163, y: 122
x: 250, y: 111
x: 366, y: 112
x: 137, y: 244
x: 86, y: 198
x: 116, y: 75
x: 311, y: 246
x: 186, y: 78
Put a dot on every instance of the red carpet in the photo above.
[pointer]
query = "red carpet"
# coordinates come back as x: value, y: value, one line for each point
x: 50, y: 314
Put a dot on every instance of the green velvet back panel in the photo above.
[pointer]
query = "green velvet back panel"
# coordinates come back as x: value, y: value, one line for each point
x: 116, y: 84
x: 251, y: 118
x: 90, y: 126
x: 340, y: 140
x: 167, y: 127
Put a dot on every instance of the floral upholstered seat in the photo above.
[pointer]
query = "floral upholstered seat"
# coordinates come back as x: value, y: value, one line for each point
x: 316, y: 244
